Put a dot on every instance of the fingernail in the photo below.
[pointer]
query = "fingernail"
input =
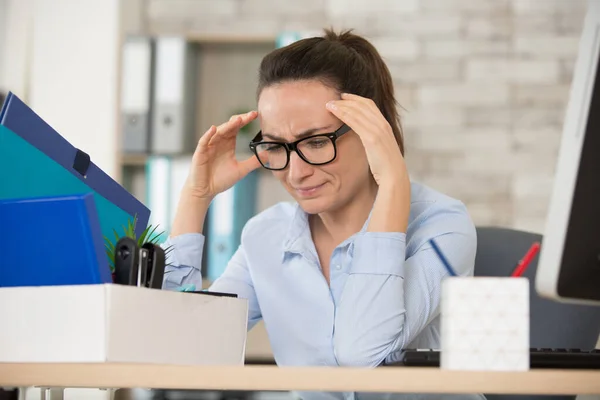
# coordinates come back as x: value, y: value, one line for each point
x: 330, y: 105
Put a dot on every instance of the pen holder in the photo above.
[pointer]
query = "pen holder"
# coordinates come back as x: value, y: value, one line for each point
x: 485, y: 324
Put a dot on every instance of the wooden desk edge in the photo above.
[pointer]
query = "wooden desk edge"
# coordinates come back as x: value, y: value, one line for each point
x: 273, y: 378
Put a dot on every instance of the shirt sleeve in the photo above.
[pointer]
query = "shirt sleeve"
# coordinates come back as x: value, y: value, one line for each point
x: 388, y: 298
x: 184, y: 267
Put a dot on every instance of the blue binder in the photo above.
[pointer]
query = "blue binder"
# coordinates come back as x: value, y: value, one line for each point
x: 35, y: 160
x: 228, y: 214
x: 52, y: 240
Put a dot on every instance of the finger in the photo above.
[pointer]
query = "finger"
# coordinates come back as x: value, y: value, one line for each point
x: 373, y: 117
x: 226, y: 128
x: 248, y: 165
x: 352, y: 116
x: 237, y: 121
x: 232, y: 127
x: 205, y: 139
x: 351, y: 96
x: 362, y: 100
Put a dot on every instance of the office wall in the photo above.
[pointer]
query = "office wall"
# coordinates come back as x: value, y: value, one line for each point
x: 15, y: 39
x: 73, y: 81
x: 3, y: 11
x: 483, y: 83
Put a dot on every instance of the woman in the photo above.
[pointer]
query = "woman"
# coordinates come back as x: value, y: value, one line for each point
x: 346, y: 276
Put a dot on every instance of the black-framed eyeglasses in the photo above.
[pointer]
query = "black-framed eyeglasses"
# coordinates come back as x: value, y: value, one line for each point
x: 315, y: 150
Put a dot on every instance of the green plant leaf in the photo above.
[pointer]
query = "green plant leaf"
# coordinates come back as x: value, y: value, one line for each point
x: 144, y: 235
x: 111, y: 261
x: 156, y: 237
x: 129, y: 227
x: 109, y: 244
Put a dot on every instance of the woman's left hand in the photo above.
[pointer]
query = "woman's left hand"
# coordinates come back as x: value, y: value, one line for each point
x: 364, y: 117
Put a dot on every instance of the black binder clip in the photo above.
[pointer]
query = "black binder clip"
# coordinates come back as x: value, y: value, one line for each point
x: 135, y: 266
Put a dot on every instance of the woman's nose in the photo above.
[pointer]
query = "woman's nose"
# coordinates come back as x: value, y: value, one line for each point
x: 298, y: 168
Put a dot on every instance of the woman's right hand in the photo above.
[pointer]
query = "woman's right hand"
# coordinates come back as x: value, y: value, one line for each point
x: 214, y: 166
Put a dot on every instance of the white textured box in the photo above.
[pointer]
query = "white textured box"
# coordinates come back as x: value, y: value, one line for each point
x: 485, y: 324
x: 117, y: 323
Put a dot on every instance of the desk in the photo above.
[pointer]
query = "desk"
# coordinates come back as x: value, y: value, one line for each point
x: 268, y: 378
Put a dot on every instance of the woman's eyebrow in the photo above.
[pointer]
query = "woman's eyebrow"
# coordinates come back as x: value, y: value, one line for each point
x: 300, y: 135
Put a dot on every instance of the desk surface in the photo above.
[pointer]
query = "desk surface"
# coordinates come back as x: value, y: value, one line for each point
x: 385, y: 379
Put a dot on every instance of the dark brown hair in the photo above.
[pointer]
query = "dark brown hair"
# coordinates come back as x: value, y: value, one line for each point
x: 346, y: 62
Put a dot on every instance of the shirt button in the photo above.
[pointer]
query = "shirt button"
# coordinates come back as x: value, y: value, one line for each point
x: 338, y: 267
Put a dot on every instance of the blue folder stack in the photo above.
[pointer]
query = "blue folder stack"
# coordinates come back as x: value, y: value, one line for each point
x: 36, y: 162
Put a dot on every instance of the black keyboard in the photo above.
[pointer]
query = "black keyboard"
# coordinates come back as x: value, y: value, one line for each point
x: 539, y: 358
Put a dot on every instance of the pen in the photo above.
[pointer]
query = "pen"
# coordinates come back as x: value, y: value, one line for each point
x: 526, y: 260
x: 442, y: 257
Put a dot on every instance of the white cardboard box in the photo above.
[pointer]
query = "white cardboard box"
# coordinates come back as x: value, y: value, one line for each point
x: 117, y: 323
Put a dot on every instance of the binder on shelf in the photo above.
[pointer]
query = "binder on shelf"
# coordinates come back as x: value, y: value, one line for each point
x: 173, y: 116
x: 52, y: 240
x: 228, y: 213
x: 158, y: 177
x: 166, y: 176
x: 136, y: 93
x: 35, y: 160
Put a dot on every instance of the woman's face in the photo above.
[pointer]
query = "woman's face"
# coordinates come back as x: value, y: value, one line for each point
x: 289, y: 110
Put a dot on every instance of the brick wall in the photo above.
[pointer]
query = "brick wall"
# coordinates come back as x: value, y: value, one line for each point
x: 483, y: 83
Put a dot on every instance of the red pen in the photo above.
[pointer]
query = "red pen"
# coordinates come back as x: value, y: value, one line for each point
x: 526, y: 260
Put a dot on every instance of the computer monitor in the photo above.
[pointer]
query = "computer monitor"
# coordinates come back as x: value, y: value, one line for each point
x: 569, y: 264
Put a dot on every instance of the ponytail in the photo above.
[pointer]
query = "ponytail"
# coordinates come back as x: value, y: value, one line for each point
x: 347, y: 62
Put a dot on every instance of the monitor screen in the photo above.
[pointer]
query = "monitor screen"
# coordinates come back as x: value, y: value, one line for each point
x: 569, y: 265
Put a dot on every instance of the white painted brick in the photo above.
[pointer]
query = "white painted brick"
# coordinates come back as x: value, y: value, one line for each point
x: 486, y: 161
x: 546, y: 6
x: 441, y: 117
x: 528, y: 224
x: 488, y: 27
x: 543, y: 139
x: 536, y: 24
x: 481, y: 140
x: 485, y: 213
x: 441, y: 25
x: 397, y: 48
x: 427, y: 162
x: 362, y: 7
x: 570, y: 24
x: 531, y: 208
x: 311, y: 24
x: 512, y: 71
x: 473, y: 186
x: 190, y: 9
x: 528, y: 186
x: 534, y: 160
x: 539, y: 47
x: 424, y: 71
x: 538, y: 117
x: 405, y: 96
x: 526, y: 95
x: 363, y: 24
x: 292, y: 9
x: 234, y: 28
x: 470, y: 94
x: 493, y: 116
x: 467, y: 6
x: 456, y: 48
x: 566, y: 70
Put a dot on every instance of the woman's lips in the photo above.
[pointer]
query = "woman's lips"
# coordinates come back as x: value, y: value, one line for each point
x: 308, y: 191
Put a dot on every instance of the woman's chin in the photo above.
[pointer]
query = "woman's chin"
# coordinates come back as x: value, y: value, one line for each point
x: 314, y: 205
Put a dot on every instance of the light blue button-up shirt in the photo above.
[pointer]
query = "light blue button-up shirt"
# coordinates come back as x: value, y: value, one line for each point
x: 384, y: 292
